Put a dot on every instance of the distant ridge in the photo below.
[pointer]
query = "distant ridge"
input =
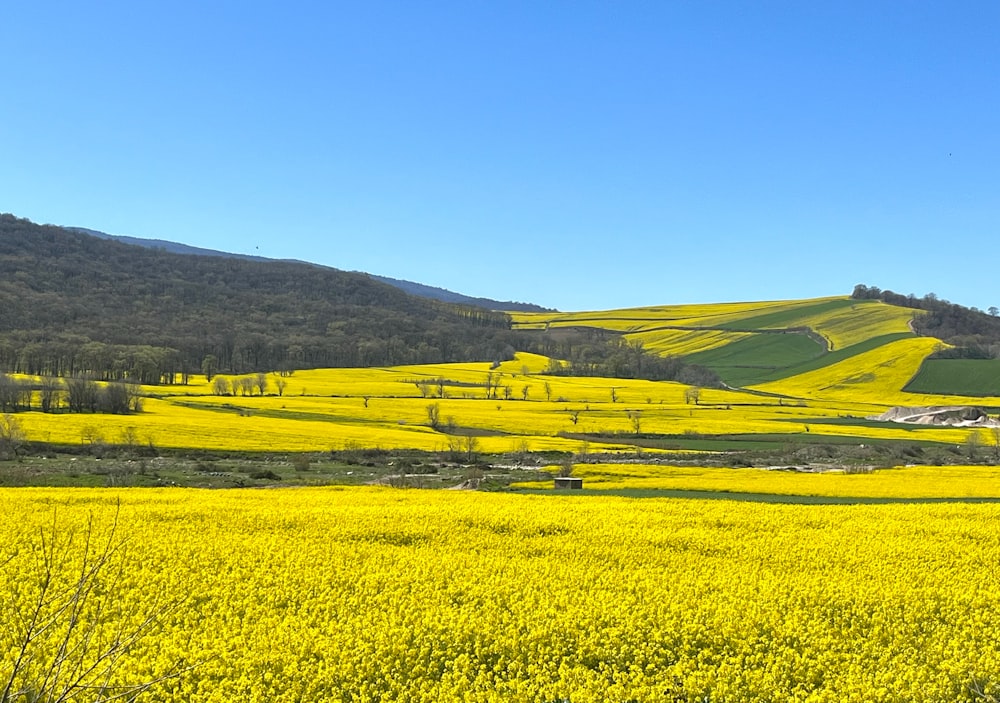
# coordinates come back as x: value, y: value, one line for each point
x: 411, y: 287
x: 448, y: 296
x: 164, y: 245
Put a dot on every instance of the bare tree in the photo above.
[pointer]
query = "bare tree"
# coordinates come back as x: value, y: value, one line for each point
x: 434, y: 415
x: 89, y: 434
x: 209, y: 365
x: 115, y: 398
x: 471, y: 446
x: 635, y: 417
x: 11, y: 437
x: 492, y: 384
x: 548, y: 391
x: 72, y: 626
x: 220, y: 385
x: 8, y: 393
x: 972, y: 444
x: 25, y: 394
x: 50, y: 391
x: 566, y: 467
x: 281, y: 384
x: 260, y: 380
x: 128, y: 438
x: 524, y: 392
x: 81, y: 395
x: 246, y: 384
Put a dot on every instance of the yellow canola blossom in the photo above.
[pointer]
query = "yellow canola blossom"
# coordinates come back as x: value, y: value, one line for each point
x: 386, y: 595
x: 685, y: 329
x: 875, y: 376
x: 863, y: 320
x: 667, y: 342
x: 389, y: 408
x: 637, y: 319
x: 910, y: 482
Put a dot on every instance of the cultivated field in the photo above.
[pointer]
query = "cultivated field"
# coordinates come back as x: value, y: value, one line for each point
x: 392, y: 408
x: 913, y: 483
x: 757, y: 543
x: 378, y: 594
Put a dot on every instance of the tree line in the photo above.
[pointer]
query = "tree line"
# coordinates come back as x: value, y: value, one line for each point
x: 600, y: 353
x: 75, y: 395
x: 973, y: 334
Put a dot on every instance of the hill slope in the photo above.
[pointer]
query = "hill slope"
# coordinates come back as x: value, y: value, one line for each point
x: 418, y: 289
x: 749, y: 343
x: 71, y: 302
x: 447, y: 296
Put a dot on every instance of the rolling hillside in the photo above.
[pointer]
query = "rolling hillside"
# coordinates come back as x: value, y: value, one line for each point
x: 749, y: 344
x: 802, y: 378
x: 71, y: 303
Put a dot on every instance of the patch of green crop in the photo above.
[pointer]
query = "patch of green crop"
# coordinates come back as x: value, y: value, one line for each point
x: 755, y: 359
x: 975, y: 377
x: 836, y: 356
x: 768, y: 357
x: 788, y: 318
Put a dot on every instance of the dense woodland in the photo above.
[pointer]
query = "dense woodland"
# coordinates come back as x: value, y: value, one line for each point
x: 418, y: 289
x: 973, y: 333
x: 74, y: 305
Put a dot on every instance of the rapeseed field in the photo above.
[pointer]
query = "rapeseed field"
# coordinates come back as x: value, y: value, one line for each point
x: 904, y: 482
x: 518, y: 403
x: 378, y: 594
x: 389, y: 595
x: 685, y: 329
x: 515, y: 403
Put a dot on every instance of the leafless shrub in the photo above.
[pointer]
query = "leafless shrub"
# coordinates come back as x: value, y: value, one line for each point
x: 70, y: 627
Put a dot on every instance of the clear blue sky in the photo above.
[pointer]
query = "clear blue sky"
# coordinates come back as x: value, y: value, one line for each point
x: 576, y: 154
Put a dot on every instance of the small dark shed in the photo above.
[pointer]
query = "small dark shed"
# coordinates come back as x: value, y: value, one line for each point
x: 569, y: 482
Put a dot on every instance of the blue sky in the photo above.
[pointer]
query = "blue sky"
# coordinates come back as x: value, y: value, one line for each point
x: 579, y: 155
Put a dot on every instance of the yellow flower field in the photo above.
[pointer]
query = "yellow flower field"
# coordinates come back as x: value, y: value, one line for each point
x: 633, y: 319
x: 877, y: 376
x: 517, y: 404
x: 657, y: 327
x: 325, y: 409
x: 863, y: 320
x: 910, y: 482
x: 386, y: 595
x: 377, y: 594
x: 681, y: 342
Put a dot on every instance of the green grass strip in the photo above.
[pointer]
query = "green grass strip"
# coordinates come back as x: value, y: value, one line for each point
x: 971, y: 377
x: 785, y: 319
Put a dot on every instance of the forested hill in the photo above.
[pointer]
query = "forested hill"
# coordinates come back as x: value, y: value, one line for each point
x: 71, y: 303
x: 418, y: 289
